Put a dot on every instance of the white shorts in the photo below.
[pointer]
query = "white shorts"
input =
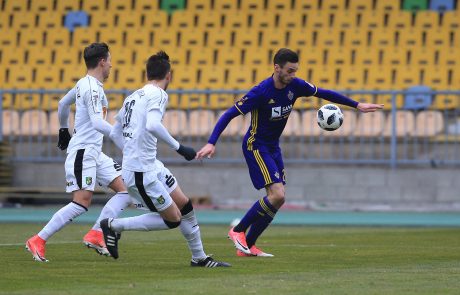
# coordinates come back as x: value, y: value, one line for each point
x: 85, y: 167
x: 148, y: 189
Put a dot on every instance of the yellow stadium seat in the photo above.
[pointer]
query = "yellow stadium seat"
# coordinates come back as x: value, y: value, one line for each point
x: 178, y: 56
x: 439, y: 39
x: 309, y: 125
x: 39, y: 57
x: 273, y: 38
x: 16, y: 6
x: 451, y: 20
x: 4, y: 21
x: 239, y: 77
x: 72, y: 74
x: 279, y: 6
x: 323, y: 77
x: 312, y: 57
x: 252, y: 5
x: 101, y: 19
x: 299, y: 39
x: 400, y: 21
x: 212, y: 78
x: 23, y: 20
x: 199, y: 5
x: 338, y: 56
x: 409, y: 38
x: 407, y: 77
x: 263, y: 73
x: 157, y: 19
x: 371, y: 20
x: 293, y: 126
x: 225, y: 5
x: 41, y: 6
x: 369, y: 124
x: 422, y: 57
x: 139, y: 38
x: 47, y: 77
x: 176, y: 122
x: 382, y: 38
x: 219, y: 38
x: 67, y: 5
x: 201, y: 58
x: 333, y: 5
x: 318, y: 20
x: 32, y: 38
x: 184, y: 78
x: 210, y: 20
x: 366, y: 57
x: 378, y: 78
x: 306, y: 5
x: 262, y: 19
x: 200, y: 122
x: 128, y: 77
x: 388, y: 6
x: 191, y: 38
x: 438, y: 78
x: 66, y: 57
x: 183, y: 19
x: 148, y: 6
x: 219, y: 101
x: 306, y: 103
x: 446, y: 102
x: 349, y: 125
x: 50, y: 101
x: 353, y: 78
x: 26, y: 101
x: 427, y: 20
x: 82, y: 37
x: 428, y: 123
x: 326, y: 38
x: 9, y: 38
x: 94, y: 6
x: 58, y: 38
x: 229, y: 56
x: 34, y: 122
x: 246, y: 38
x: 113, y: 38
x: 189, y: 101
x: 121, y: 56
x: 236, y: 20
x: 128, y: 20
x: 394, y: 56
x: 49, y: 20
x: 120, y: 5
x: 344, y: 20
x: 355, y: 38
x: 292, y: 19
x: 19, y: 76
x: 362, y: 98
x: 116, y: 100
x: 165, y: 38
x: 10, y: 122
x: 386, y: 99
x: 13, y: 56
x: 254, y: 56
x: 173, y: 100
x: 360, y: 5
x: 405, y: 124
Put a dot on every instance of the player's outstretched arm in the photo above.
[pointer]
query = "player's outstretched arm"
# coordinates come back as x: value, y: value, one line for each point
x: 155, y: 126
x: 206, y: 151
x: 63, y: 116
x: 117, y: 135
x: 369, y: 107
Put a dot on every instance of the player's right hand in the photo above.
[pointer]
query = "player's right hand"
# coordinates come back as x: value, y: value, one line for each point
x: 64, y: 138
x: 187, y: 152
x: 207, y: 151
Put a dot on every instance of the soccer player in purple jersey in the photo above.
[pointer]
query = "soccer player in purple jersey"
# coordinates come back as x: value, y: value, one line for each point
x: 270, y: 104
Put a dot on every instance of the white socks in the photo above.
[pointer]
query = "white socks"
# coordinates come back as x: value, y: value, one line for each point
x: 145, y: 222
x: 61, y: 218
x: 191, y: 232
x: 113, y: 208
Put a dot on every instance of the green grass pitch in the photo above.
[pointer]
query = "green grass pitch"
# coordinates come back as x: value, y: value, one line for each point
x: 308, y: 260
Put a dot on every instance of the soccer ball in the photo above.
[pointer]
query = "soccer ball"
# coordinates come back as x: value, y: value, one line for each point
x: 329, y: 117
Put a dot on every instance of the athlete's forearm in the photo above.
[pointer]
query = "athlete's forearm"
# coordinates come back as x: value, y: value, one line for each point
x: 117, y: 135
x: 101, y: 125
x: 222, y: 124
x: 336, y: 97
x: 155, y: 126
x: 64, y: 108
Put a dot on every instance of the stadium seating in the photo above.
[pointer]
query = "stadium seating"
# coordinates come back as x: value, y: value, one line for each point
x: 442, y: 5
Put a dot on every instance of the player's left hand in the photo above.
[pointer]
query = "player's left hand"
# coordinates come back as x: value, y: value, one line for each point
x: 187, y: 152
x: 64, y: 138
x: 369, y: 107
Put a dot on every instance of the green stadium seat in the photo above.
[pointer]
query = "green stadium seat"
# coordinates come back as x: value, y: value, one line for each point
x: 415, y: 5
x: 172, y: 5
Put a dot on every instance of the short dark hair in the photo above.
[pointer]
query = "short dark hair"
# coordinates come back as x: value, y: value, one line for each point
x: 94, y: 52
x: 285, y: 55
x: 158, y: 66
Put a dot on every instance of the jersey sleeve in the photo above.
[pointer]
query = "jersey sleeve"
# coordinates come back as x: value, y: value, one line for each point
x: 305, y: 89
x: 252, y: 100
x: 90, y: 95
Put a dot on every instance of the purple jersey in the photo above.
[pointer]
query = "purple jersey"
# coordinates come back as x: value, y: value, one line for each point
x: 270, y: 109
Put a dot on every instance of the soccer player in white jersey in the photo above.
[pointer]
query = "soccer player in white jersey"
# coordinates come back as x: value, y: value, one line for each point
x: 137, y: 128
x: 85, y: 163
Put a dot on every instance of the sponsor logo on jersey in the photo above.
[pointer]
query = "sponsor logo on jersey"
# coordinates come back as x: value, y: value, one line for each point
x: 290, y: 95
x: 276, y: 112
x: 89, y: 180
x: 161, y: 200
x: 281, y: 112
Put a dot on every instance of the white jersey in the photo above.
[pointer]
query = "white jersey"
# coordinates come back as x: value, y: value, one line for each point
x: 140, y: 148
x: 90, y: 100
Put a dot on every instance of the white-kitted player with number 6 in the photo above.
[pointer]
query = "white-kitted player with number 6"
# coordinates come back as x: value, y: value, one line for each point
x: 137, y: 128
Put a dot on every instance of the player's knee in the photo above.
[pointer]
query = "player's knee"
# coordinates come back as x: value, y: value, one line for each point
x: 172, y: 224
x: 188, y: 207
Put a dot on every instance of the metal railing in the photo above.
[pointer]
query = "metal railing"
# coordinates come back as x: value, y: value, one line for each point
x: 397, y: 136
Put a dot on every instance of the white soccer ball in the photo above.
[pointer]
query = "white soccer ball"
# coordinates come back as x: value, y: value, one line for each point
x: 329, y: 117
